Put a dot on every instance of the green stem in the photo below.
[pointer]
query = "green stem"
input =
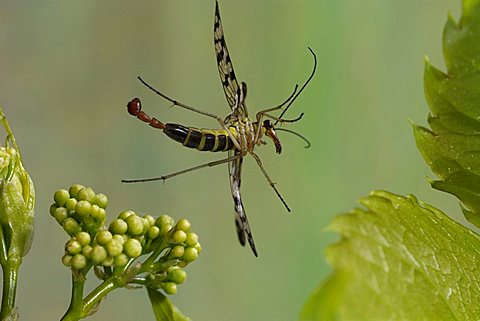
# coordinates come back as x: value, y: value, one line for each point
x: 149, y: 261
x: 93, y: 299
x: 3, y: 249
x: 10, y: 278
x: 76, y: 305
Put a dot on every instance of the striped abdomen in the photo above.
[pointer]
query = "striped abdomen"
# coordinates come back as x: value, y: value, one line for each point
x: 201, y: 139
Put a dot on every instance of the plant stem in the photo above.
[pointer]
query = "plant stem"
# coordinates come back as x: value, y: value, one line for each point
x: 149, y: 261
x: 76, y: 305
x: 10, y: 278
x: 79, y: 308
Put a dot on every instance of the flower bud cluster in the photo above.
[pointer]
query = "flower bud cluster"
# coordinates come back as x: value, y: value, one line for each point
x: 182, y: 248
x: 184, y: 244
x: 79, y: 209
x: 171, y: 245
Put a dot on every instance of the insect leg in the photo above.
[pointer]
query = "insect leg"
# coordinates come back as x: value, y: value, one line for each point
x: 175, y: 102
x: 282, y: 120
x: 179, y: 104
x: 272, y: 184
x: 191, y: 169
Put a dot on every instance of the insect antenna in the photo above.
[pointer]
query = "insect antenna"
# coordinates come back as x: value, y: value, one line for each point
x: 301, y: 89
x: 173, y: 101
x: 288, y: 99
x: 307, y: 142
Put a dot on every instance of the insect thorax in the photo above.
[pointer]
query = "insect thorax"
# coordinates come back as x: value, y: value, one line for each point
x: 245, y: 132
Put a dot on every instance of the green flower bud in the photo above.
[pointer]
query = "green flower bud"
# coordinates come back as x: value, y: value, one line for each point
x: 83, y: 208
x: 108, y: 261
x: 70, y: 204
x: 146, y: 226
x: 78, y: 262
x: 177, y: 251
x: 60, y: 214
x: 86, y: 194
x: 179, y: 237
x: 135, y: 224
x: 120, y: 238
x: 123, y: 215
x: 103, y: 237
x: 101, y: 216
x: 60, y: 197
x: 177, y: 275
x: 71, y: 226
x: 83, y: 238
x: 73, y: 247
x: 198, y: 247
x: 191, y: 254
x: 192, y: 239
x: 67, y: 260
x: 165, y: 229
x: 118, y: 226
x: 132, y: 248
x: 98, y: 254
x: 170, y: 287
x: 87, y: 251
x: 101, y: 200
x: 95, y: 211
x: 73, y: 190
x: 89, y: 224
x: 183, y: 225
x: 163, y: 220
x: 150, y: 219
x: 17, y: 199
x: 53, y: 207
x: 114, y: 248
x: 153, y: 232
x: 121, y: 260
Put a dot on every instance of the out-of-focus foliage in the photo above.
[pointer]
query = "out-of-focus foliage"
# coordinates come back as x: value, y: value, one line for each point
x: 401, y: 260
x: 452, y: 146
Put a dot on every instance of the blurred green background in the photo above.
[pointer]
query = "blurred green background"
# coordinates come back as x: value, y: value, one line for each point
x: 68, y: 68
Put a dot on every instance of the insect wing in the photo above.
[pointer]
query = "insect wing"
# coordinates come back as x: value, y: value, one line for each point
x: 225, y: 66
x: 241, y: 220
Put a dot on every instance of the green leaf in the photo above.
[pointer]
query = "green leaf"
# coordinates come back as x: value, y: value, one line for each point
x: 324, y: 303
x: 451, y: 147
x: 163, y: 309
x: 399, y: 260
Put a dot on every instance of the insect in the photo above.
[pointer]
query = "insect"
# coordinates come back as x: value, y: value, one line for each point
x: 238, y: 134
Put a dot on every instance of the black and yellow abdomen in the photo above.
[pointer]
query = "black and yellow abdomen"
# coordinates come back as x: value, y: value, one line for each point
x: 202, y: 139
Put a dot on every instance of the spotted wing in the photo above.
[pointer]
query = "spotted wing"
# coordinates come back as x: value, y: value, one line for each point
x: 241, y: 221
x: 225, y: 67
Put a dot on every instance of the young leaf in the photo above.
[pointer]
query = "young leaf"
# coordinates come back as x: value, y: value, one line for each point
x: 452, y: 146
x: 163, y: 309
x: 399, y: 260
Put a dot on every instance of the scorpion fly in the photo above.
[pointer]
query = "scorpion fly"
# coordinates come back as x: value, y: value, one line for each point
x: 238, y: 134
